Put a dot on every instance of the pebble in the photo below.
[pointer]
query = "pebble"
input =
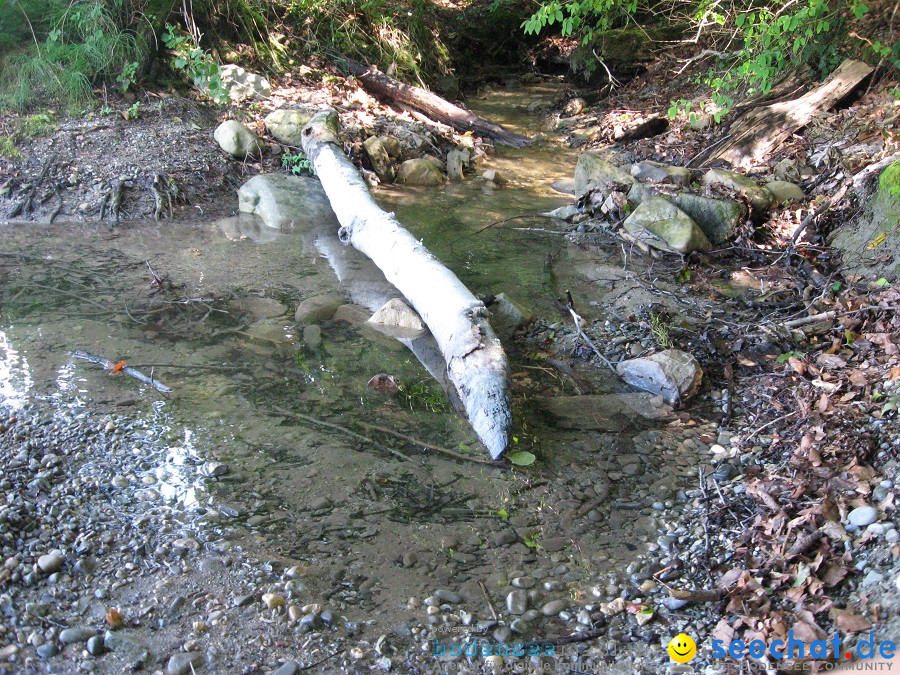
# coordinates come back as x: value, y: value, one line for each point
x: 863, y: 516
x: 273, y: 600
x: 215, y: 469
x: 289, y: 668
x: 554, y: 607
x: 95, y: 646
x: 505, y: 537
x: 517, y: 602
x: 184, y: 662
x: 77, y: 634
x: 448, y: 596
x: 50, y: 563
x: 47, y: 650
x: 523, y: 582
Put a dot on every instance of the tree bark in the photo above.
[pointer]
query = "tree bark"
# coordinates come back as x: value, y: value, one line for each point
x: 476, y: 362
x: 434, y: 106
x: 763, y: 130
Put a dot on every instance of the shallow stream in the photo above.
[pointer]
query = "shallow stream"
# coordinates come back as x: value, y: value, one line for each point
x: 207, y: 308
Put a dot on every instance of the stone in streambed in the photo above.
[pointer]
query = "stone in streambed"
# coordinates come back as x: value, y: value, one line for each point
x: 398, y: 314
x: 660, y: 224
x: 420, y: 171
x: 862, y: 516
x: 237, y: 140
x: 456, y: 160
x: 318, y: 308
x: 783, y: 191
x: 184, y: 662
x: 596, y: 169
x: 287, y: 202
x: 379, y: 159
x: 50, y: 563
x: 77, y: 634
x: 517, y: 602
x: 673, y: 374
x: 760, y: 198
x: 654, y: 172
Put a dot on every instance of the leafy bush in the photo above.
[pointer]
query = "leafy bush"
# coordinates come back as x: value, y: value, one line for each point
x: 68, y: 47
x: 769, y: 36
x: 196, y: 62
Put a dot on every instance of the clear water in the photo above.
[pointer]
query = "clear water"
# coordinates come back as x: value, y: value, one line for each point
x: 219, y: 331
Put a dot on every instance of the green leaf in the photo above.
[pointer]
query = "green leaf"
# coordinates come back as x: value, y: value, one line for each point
x: 503, y: 514
x: 521, y: 458
x: 882, y: 282
x: 836, y: 287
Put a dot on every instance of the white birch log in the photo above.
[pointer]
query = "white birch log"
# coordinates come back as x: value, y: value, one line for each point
x: 476, y: 362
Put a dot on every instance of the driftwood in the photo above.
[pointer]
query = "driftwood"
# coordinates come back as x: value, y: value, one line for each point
x: 761, y: 131
x: 476, y: 362
x: 112, y: 366
x: 386, y: 87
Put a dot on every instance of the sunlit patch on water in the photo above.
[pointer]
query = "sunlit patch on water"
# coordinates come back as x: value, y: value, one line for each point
x: 16, y: 381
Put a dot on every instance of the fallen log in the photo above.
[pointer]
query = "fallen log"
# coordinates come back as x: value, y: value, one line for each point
x: 753, y: 137
x: 439, y: 109
x: 476, y: 362
x: 114, y: 367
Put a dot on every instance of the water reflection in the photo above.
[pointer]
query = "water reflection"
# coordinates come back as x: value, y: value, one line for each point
x: 16, y: 380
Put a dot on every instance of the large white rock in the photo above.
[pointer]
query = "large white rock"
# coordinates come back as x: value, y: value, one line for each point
x: 237, y: 140
x: 397, y: 313
x: 287, y: 202
x: 673, y: 374
x: 241, y: 84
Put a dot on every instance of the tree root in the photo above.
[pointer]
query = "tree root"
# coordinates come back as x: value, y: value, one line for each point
x: 163, y: 188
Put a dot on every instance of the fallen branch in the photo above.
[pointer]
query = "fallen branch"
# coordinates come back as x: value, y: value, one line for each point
x: 476, y: 362
x: 579, y: 326
x: 131, y: 372
x: 431, y: 104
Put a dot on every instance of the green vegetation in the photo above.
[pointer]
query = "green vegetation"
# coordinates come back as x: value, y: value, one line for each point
x: 60, y: 50
x: 296, y: 164
x: 754, y: 42
x: 8, y: 148
x: 188, y: 56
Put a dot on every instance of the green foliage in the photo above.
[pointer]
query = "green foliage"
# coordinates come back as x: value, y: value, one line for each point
x: 67, y: 48
x: 296, y: 164
x: 8, y: 148
x: 196, y: 62
x: 35, y: 125
x: 781, y: 359
x: 770, y: 36
x: 659, y: 329
x: 521, y: 458
x: 400, y: 36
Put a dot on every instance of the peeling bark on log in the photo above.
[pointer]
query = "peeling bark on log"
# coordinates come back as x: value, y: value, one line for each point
x: 476, y: 362
x: 434, y: 106
x: 762, y: 130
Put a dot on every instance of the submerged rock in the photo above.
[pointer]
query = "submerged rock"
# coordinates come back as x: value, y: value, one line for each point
x: 421, y: 171
x: 242, y: 84
x: 605, y: 412
x: 237, y: 140
x: 669, y: 226
x: 286, y: 202
x: 673, y: 374
x: 318, y: 308
x: 286, y: 125
x: 456, y: 160
x: 596, y: 169
x: 397, y: 313
x: 760, y: 198
x: 507, y: 316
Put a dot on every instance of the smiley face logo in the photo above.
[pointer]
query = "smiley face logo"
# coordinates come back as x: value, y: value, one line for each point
x: 682, y: 648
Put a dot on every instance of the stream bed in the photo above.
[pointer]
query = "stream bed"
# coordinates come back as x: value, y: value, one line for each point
x: 346, y: 518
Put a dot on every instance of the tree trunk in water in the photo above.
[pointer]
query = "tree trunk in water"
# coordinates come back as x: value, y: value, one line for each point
x: 476, y: 362
x: 432, y: 105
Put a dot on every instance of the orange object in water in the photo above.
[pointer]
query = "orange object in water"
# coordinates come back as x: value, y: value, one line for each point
x: 116, y: 368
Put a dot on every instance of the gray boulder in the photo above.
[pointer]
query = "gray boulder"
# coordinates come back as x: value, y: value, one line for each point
x: 286, y: 125
x: 286, y: 202
x: 237, y: 140
x: 379, y: 159
x: 784, y: 191
x: 760, y: 198
x: 242, y: 84
x: 392, y: 145
x: 718, y: 218
x: 654, y: 172
x: 420, y: 171
x: 596, y: 169
x: 456, y: 160
x: 660, y: 224
x: 605, y: 412
x: 318, y: 308
x: 871, y: 243
x: 673, y: 374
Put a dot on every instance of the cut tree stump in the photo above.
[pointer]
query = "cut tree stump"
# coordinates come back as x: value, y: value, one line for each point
x: 476, y: 362
x: 439, y: 109
x: 761, y: 131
